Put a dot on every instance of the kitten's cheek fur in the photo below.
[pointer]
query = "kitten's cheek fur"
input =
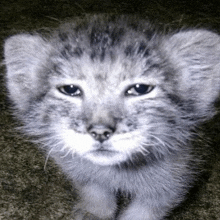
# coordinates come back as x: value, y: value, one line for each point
x: 84, y: 146
x: 118, y: 149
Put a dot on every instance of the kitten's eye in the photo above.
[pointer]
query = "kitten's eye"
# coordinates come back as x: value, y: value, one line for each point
x: 139, y: 89
x: 70, y: 90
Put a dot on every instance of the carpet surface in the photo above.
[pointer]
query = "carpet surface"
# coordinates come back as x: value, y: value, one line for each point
x: 30, y: 192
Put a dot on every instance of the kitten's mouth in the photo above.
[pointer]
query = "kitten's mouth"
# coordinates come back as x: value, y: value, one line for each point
x: 103, y: 152
x: 104, y: 156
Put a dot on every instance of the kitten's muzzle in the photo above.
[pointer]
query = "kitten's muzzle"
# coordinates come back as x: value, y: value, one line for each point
x: 100, y: 133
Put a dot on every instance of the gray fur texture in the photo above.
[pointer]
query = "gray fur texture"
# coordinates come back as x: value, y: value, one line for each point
x: 116, y: 103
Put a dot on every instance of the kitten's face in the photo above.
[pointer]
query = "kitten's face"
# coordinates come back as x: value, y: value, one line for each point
x: 108, y: 111
x: 113, y: 91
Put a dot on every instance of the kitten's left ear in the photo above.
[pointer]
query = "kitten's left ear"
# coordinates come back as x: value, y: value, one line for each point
x: 25, y: 56
x: 195, y: 56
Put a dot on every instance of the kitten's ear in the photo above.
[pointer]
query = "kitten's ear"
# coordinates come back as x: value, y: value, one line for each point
x: 195, y: 56
x: 25, y: 55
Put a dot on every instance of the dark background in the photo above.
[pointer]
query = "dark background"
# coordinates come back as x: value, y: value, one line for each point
x: 27, y: 191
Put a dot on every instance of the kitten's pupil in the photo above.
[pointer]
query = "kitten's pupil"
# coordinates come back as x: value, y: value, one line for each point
x: 70, y: 90
x: 139, y: 89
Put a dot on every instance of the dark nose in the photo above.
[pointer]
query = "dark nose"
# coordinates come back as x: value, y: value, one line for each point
x: 100, y: 133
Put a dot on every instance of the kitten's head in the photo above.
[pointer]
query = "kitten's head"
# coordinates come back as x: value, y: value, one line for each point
x: 113, y: 90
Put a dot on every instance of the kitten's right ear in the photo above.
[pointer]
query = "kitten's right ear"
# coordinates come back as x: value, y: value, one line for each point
x: 195, y: 56
x: 24, y: 55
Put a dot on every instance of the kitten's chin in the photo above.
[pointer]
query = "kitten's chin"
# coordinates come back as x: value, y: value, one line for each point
x: 105, y: 158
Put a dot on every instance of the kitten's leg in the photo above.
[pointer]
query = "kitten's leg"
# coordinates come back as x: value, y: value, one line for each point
x: 97, y: 201
x: 142, y: 210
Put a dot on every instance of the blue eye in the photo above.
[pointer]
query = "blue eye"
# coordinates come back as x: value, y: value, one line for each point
x: 70, y: 90
x: 139, y: 89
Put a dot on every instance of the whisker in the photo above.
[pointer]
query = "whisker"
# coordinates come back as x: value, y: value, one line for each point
x: 46, y: 160
x: 66, y: 154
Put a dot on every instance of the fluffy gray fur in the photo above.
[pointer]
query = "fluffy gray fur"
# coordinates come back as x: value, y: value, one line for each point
x: 116, y: 103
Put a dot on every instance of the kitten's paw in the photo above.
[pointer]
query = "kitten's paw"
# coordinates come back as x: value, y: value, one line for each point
x: 95, y: 201
x: 138, y: 212
x: 81, y: 215
x: 78, y: 214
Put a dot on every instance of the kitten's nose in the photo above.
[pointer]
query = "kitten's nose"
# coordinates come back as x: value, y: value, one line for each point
x: 100, y: 133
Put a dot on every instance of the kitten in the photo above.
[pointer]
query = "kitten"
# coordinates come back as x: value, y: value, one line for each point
x: 115, y: 103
